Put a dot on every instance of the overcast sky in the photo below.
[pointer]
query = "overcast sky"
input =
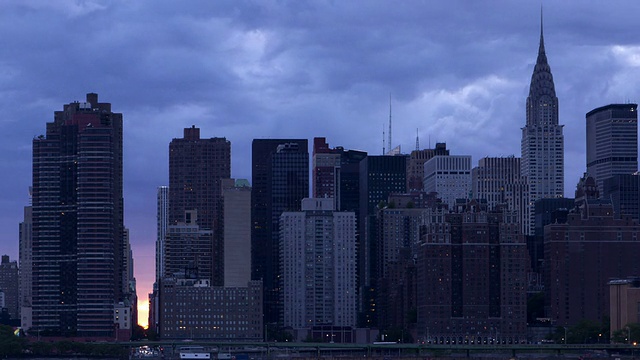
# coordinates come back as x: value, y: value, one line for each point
x: 457, y: 71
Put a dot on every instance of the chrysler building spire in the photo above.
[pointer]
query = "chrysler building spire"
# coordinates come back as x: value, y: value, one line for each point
x: 542, y: 138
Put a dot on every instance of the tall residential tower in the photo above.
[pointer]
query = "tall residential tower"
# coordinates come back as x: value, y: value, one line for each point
x: 78, y: 232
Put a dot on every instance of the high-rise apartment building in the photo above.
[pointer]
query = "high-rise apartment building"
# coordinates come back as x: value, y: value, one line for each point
x: 9, y: 286
x: 280, y: 172
x: 471, y: 277
x: 449, y: 176
x: 542, y: 142
x: 318, y: 265
x: 196, y: 169
x: 612, y: 141
x: 78, y: 232
x: 188, y: 248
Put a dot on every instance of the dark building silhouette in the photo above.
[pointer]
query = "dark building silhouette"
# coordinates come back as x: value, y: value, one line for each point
x: 624, y: 193
x: 280, y: 173
x: 380, y: 176
x: 471, y: 276
x: 612, y: 141
x: 78, y: 233
x: 547, y: 211
x: 196, y: 169
x: 584, y: 253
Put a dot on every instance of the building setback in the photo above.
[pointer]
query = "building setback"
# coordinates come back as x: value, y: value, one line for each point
x: 612, y: 141
x: 542, y: 142
x: 78, y: 230
x: 471, y: 277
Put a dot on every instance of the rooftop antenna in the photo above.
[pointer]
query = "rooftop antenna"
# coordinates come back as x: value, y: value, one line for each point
x: 417, y: 140
x: 429, y: 141
x: 389, y: 144
x: 383, y: 150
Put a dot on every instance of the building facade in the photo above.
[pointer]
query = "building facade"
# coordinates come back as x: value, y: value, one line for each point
x: 193, y: 309
x: 188, y: 248
x: 318, y: 265
x: 449, y: 176
x: 236, y: 222
x: 26, y: 265
x: 471, y: 277
x: 624, y: 300
x: 583, y: 254
x: 612, y: 141
x: 542, y: 142
x: 78, y: 230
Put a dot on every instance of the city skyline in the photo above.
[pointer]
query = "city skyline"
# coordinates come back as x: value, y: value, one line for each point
x: 458, y: 73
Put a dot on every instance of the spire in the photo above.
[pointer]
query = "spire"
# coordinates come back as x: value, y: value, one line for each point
x: 541, y: 48
x: 389, y: 143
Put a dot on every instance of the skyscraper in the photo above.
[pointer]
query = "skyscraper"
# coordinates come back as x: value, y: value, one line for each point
x: 280, y: 172
x: 612, y: 141
x: 542, y: 139
x: 78, y: 231
x: 380, y: 176
x: 196, y: 169
x: 318, y: 248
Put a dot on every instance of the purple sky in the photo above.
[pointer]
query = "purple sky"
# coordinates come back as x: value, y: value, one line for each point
x: 458, y: 71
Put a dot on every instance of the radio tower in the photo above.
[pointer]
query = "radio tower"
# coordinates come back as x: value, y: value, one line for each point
x: 417, y: 140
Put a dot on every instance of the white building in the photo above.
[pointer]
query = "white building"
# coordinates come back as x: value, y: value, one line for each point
x: 318, y: 265
x: 449, y: 176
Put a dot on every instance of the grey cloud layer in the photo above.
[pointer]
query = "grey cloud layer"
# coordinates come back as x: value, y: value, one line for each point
x: 457, y: 71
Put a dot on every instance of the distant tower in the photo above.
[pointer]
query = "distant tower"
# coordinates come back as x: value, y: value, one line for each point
x: 542, y: 139
x: 612, y: 141
x: 389, y: 146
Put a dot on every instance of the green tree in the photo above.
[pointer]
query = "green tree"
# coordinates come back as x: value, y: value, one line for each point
x: 10, y: 344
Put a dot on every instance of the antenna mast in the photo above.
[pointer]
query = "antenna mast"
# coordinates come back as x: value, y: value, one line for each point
x: 383, y: 152
x: 389, y: 144
x: 417, y: 140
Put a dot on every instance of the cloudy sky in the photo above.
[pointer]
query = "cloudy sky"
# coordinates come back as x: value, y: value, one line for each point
x: 457, y: 72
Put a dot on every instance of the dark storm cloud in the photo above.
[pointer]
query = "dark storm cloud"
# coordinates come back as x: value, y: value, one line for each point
x: 457, y: 71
